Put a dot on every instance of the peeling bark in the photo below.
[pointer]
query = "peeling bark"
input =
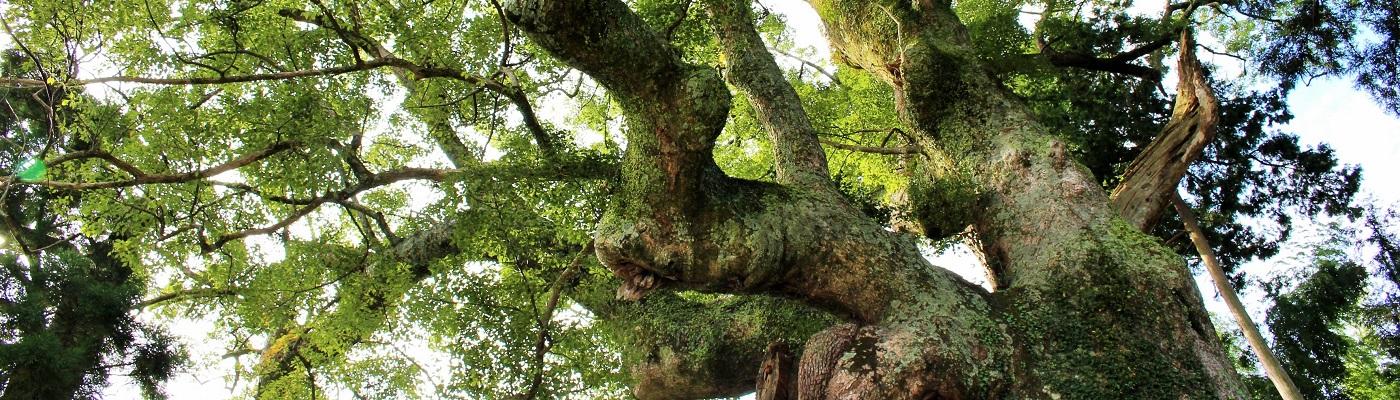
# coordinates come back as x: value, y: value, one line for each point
x: 1151, y: 179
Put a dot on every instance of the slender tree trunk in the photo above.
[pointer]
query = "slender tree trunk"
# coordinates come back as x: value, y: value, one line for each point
x: 1272, y: 367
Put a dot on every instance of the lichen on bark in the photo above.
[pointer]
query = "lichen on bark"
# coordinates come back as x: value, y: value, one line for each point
x: 1083, y: 301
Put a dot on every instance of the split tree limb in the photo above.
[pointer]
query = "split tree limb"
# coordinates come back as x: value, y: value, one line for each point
x: 1151, y: 179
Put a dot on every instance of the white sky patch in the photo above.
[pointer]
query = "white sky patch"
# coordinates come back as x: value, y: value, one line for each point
x: 1333, y: 112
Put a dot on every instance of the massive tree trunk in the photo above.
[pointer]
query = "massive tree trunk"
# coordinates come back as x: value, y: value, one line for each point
x: 1085, y: 305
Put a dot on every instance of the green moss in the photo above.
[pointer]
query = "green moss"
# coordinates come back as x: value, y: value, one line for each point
x: 1106, y: 332
x: 709, y: 334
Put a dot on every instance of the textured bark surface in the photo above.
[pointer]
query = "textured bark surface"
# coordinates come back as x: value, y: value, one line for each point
x: 1090, y: 298
x: 1087, y: 306
x: 777, y: 377
x: 1151, y: 179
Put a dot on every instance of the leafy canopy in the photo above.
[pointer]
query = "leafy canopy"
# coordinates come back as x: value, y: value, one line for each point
x: 344, y: 187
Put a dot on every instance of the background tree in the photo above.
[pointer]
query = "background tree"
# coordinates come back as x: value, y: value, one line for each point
x: 65, y: 296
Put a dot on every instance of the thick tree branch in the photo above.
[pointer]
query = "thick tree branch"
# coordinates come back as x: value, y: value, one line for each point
x: 1151, y: 179
x: 798, y: 157
x: 1051, y: 240
x: 680, y: 222
x: 685, y: 105
x: 1110, y: 65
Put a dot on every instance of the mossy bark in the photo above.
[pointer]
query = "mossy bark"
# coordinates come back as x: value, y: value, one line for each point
x: 1086, y: 305
x: 1094, y: 303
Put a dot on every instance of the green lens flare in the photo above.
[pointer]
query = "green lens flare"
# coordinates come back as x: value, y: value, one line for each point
x: 32, y: 169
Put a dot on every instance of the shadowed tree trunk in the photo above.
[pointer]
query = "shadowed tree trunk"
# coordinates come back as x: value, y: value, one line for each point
x: 1086, y: 306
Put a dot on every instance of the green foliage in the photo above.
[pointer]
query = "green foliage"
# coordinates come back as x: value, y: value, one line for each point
x: 1105, y: 312
x: 1306, y: 323
x: 1293, y: 40
x: 1370, y: 374
x: 1329, y: 317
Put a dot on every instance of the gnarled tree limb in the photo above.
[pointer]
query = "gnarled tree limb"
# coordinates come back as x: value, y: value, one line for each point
x: 798, y: 156
x: 1152, y: 177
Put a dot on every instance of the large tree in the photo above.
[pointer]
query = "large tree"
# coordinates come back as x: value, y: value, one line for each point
x: 598, y: 197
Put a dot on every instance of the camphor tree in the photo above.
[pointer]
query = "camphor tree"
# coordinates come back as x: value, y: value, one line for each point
x: 598, y: 198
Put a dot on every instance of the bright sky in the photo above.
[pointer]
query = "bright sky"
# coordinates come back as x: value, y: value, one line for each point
x: 1327, y: 111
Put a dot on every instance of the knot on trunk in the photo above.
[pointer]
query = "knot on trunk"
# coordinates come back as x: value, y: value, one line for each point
x: 848, y: 361
x: 735, y: 241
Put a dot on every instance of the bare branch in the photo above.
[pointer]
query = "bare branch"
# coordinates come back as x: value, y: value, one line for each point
x: 186, y: 294
x: 1089, y: 62
x: 1282, y: 382
x: 145, y: 179
x: 543, y: 322
x: 283, y: 223
x: 834, y: 80
x: 911, y: 149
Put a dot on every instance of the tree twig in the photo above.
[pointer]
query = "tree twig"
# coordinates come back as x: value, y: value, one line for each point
x: 910, y: 149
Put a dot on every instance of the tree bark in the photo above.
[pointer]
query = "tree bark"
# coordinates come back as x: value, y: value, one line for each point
x: 682, y: 223
x: 1151, y: 182
x: 1087, y: 306
x: 1151, y: 179
x: 1062, y: 259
